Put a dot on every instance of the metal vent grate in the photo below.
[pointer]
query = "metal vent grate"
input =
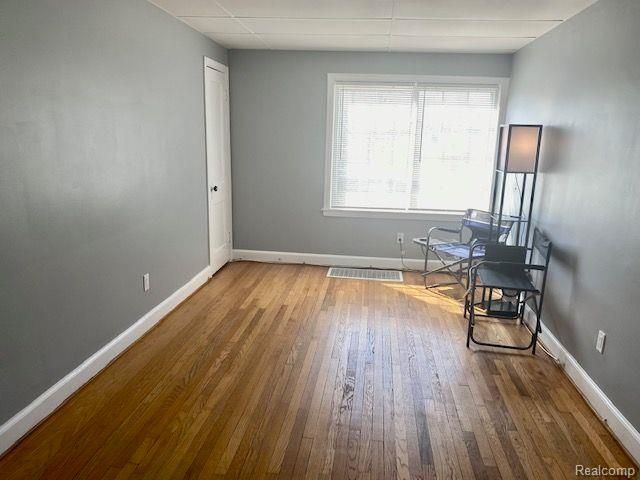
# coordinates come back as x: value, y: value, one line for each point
x: 365, y: 274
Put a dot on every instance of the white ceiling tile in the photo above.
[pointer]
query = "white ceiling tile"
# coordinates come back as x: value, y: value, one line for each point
x: 414, y: 25
x: 309, y: 8
x: 472, y: 28
x: 491, y: 9
x: 457, y: 44
x: 307, y: 26
x: 185, y: 8
x: 237, y: 40
x: 327, y: 42
x: 215, y: 24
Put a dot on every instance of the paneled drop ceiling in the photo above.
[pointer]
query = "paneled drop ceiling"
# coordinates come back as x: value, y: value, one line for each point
x: 490, y: 26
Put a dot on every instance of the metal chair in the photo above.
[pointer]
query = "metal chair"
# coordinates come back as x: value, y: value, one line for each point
x: 483, y: 229
x: 504, y: 270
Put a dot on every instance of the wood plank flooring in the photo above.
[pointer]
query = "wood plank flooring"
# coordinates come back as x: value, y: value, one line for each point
x: 277, y: 371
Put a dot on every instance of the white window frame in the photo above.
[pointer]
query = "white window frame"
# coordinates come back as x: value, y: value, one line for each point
x: 332, y: 78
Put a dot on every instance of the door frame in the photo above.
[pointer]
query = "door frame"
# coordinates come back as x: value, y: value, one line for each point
x: 224, y: 69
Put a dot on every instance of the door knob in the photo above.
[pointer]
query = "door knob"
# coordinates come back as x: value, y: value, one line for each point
x: 214, y: 188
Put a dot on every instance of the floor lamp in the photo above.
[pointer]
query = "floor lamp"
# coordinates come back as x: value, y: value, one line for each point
x: 518, y: 155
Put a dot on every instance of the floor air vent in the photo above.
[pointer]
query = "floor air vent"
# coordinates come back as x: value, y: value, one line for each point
x: 365, y: 274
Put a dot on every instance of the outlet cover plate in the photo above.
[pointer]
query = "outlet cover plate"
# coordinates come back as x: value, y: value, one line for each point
x: 600, y: 341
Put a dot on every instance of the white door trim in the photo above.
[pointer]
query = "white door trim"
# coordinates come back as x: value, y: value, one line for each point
x: 211, y: 63
x: 224, y: 69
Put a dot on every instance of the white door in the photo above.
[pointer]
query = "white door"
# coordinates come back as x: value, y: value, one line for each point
x: 218, y: 163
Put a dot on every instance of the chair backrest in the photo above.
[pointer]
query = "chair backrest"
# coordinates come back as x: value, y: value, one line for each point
x: 542, y: 245
x: 497, y: 252
x: 484, y: 227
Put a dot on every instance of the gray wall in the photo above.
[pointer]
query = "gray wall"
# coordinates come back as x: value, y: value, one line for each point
x: 102, y: 178
x: 582, y: 81
x: 278, y: 123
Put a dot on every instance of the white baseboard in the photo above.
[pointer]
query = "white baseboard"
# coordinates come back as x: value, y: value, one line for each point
x: 20, y: 424
x: 329, y: 260
x: 619, y: 426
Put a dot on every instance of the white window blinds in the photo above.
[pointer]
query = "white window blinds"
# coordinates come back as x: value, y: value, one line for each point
x: 412, y: 146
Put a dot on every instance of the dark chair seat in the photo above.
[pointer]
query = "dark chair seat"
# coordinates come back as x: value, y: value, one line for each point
x: 505, y: 279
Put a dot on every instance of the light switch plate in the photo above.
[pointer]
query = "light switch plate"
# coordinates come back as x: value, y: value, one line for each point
x: 145, y: 282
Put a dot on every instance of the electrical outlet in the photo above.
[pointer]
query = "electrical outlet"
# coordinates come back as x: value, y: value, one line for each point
x: 600, y: 341
x: 400, y: 238
x: 145, y: 282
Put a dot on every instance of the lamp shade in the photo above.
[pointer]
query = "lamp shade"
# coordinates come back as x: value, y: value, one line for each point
x: 519, y: 148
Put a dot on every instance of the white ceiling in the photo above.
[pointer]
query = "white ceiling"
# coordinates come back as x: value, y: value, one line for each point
x: 491, y: 26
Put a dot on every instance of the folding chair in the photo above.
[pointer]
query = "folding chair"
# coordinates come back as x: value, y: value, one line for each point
x: 483, y: 228
x: 504, y: 270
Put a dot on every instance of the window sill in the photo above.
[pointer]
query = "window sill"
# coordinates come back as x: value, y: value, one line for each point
x: 439, y: 215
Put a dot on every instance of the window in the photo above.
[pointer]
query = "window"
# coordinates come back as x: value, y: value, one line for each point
x: 414, y: 146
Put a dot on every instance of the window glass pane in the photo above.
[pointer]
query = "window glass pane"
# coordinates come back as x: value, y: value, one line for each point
x: 372, y: 143
x: 413, y: 146
x: 458, y: 141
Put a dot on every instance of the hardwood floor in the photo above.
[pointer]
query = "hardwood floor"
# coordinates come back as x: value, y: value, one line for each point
x: 278, y: 371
